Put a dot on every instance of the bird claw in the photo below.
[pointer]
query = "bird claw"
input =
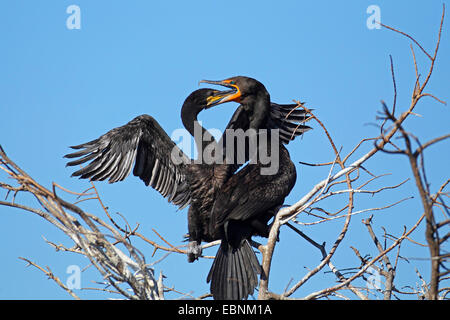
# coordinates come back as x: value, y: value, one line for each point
x: 194, y: 251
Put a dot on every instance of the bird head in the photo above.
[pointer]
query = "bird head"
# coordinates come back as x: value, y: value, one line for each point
x: 242, y: 89
x: 250, y: 93
x: 205, y: 98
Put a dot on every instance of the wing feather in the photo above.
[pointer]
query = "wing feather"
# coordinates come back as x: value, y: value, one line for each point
x: 289, y: 119
x: 142, y: 143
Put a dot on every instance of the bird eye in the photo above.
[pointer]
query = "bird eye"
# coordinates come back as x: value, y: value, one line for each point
x: 232, y: 82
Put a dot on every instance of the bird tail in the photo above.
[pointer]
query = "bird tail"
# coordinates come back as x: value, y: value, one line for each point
x: 234, y: 273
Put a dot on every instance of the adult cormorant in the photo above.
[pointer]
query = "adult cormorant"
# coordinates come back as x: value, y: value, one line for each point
x: 248, y: 199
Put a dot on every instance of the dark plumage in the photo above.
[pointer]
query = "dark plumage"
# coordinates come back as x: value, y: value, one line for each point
x: 248, y: 199
x: 142, y: 142
x: 221, y: 205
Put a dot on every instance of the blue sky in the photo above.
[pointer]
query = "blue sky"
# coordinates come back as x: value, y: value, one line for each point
x: 62, y: 87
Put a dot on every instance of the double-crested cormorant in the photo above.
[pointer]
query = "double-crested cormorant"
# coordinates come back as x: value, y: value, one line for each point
x: 162, y: 165
x: 248, y: 199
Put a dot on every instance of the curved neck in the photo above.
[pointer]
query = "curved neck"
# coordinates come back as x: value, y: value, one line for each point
x: 202, y: 137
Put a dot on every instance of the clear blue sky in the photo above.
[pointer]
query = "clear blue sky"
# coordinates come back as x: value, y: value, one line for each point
x: 60, y: 87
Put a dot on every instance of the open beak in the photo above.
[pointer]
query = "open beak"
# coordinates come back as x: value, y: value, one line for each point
x: 217, y: 98
x: 234, y: 94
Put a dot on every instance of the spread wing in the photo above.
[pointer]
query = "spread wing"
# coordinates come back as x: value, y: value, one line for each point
x: 289, y: 119
x: 157, y: 160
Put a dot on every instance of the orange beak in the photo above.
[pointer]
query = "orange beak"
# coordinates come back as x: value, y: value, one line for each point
x: 232, y: 95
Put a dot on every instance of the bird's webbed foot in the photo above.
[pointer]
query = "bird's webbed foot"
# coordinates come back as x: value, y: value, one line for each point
x: 194, y: 250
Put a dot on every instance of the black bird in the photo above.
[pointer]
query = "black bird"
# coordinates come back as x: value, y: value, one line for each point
x: 162, y: 165
x: 248, y: 199
x: 157, y: 160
